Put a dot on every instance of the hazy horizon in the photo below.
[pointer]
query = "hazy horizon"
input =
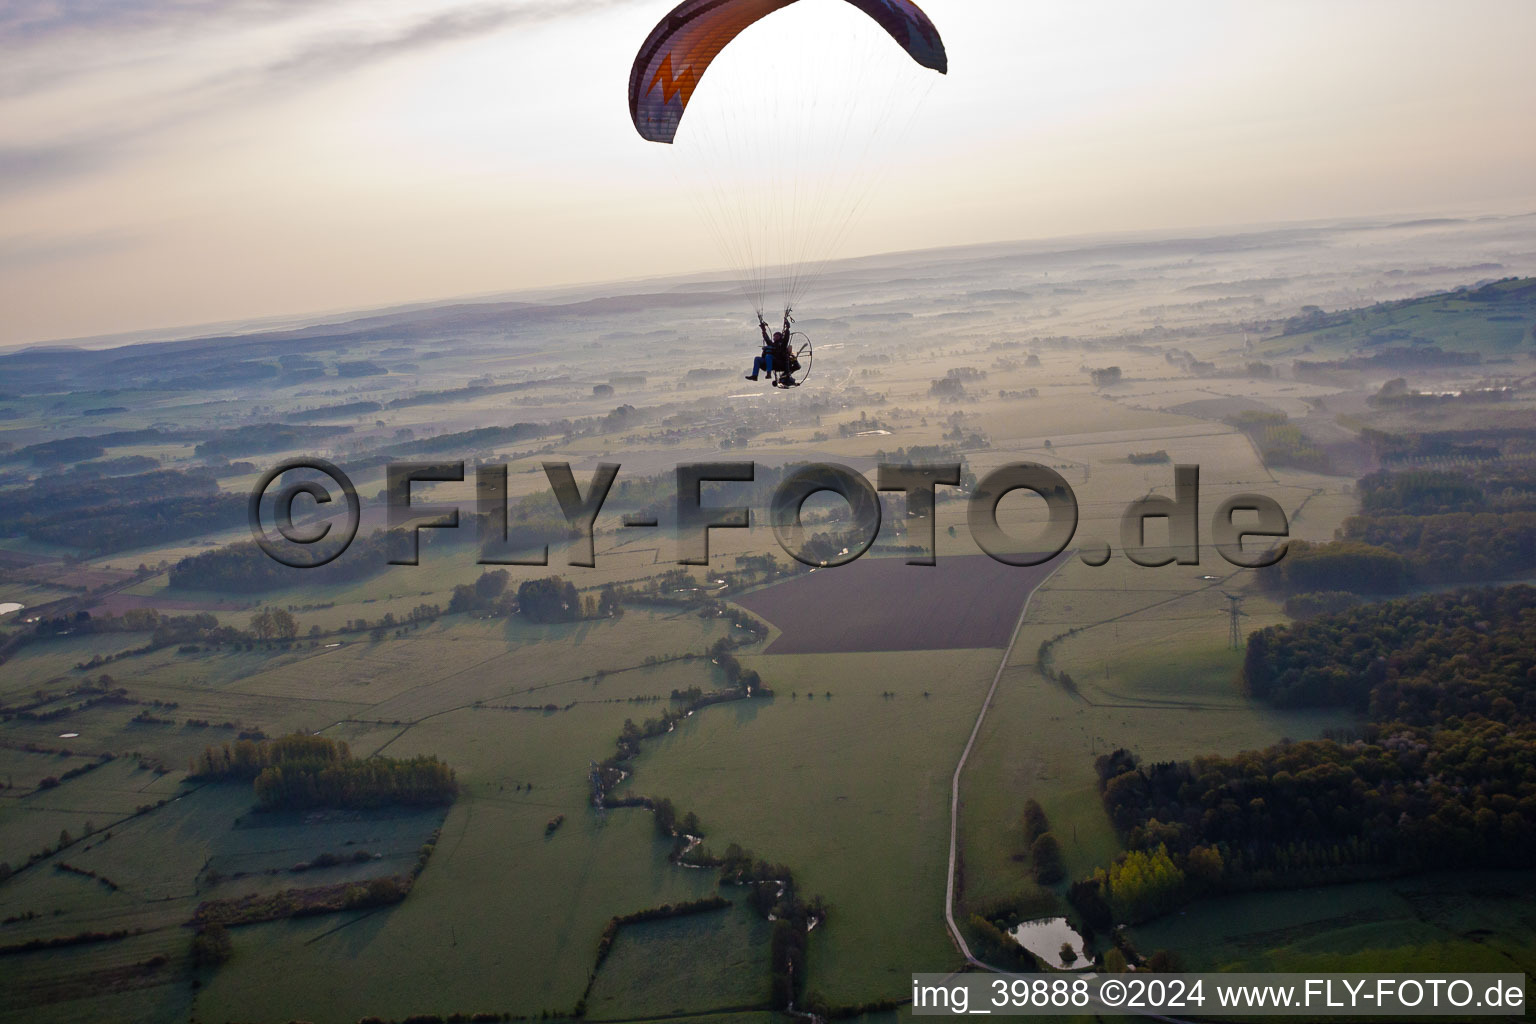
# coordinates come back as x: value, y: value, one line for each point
x: 575, y: 291
x: 233, y: 160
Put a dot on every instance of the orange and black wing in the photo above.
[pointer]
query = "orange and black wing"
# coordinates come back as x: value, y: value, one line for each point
x: 680, y: 49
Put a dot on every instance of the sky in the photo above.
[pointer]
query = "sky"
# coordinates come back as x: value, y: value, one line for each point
x: 201, y: 161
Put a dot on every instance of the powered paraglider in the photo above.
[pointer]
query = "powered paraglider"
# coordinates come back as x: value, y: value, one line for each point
x: 783, y: 146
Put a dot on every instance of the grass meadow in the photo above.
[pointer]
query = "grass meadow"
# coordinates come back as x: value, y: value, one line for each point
x: 842, y: 775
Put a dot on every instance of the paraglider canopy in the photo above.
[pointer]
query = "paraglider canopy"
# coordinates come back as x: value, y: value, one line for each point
x: 680, y: 49
x: 782, y: 149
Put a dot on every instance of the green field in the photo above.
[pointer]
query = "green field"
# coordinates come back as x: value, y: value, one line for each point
x: 841, y: 775
x: 1495, y: 319
x: 1152, y: 672
x: 458, y: 690
x: 1472, y: 921
x: 686, y: 965
x: 850, y: 792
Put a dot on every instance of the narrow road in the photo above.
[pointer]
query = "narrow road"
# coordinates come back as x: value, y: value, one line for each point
x: 954, y: 815
x: 954, y: 785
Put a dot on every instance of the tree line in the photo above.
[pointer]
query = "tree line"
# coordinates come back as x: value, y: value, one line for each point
x: 244, y: 568
x: 1471, y: 523
x: 1280, y: 442
x: 259, y: 438
x: 1436, y: 778
x: 301, y: 771
x: 106, y: 514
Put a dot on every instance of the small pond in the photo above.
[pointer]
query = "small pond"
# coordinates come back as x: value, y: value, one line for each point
x: 1044, y: 938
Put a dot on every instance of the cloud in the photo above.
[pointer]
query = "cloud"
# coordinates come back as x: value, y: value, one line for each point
x: 53, y: 43
x: 341, y: 54
x: 313, y: 58
x: 25, y: 23
x: 28, y: 251
x: 23, y: 166
x: 28, y: 166
x: 28, y: 22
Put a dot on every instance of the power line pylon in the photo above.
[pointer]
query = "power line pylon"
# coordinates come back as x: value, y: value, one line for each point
x: 1235, y: 611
